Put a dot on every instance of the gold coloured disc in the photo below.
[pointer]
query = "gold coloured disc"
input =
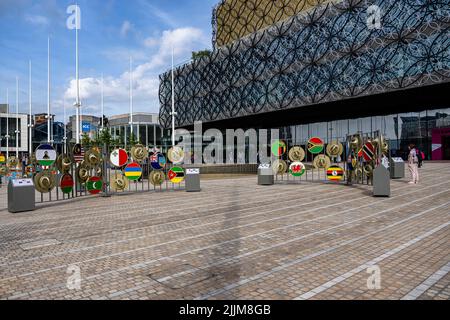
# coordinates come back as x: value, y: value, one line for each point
x: 139, y: 153
x: 359, y: 173
x: 356, y: 143
x: 157, y: 177
x: 119, y: 182
x: 44, y: 182
x: 93, y: 157
x: 63, y: 163
x: 297, y: 154
x: 12, y: 162
x: 279, y: 167
x: 176, y: 155
x: 335, y: 149
x: 3, y: 170
x: 82, y: 172
x: 98, y: 171
x: 368, y: 170
x: 322, y: 162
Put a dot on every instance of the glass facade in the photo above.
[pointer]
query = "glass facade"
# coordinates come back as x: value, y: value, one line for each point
x: 12, y: 132
x: 400, y: 129
x: 146, y: 134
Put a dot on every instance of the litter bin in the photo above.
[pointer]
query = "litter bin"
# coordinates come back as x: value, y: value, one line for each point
x: 21, y: 195
x: 381, y: 182
x: 397, y: 168
x: 265, y: 175
x: 193, y: 180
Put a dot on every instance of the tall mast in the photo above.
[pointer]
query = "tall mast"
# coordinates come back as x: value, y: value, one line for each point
x: 49, y: 138
x: 17, y: 118
x: 102, y: 105
x: 173, y: 102
x: 131, y: 96
x: 30, y: 125
x: 65, y: 127
x: 7, y: 124
x: 78, y: 102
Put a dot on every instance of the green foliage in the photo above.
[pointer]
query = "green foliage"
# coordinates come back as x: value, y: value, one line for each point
x: 86, y: 140
x: 105, y: 137
x: 132, y: 141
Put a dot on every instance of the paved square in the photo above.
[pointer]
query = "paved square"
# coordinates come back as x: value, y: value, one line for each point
x: 236, y: 240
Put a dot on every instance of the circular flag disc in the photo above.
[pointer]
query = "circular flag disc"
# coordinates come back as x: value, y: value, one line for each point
x: 368, y: 152
x: 119, y: 182
x: 118, y: 158
x: 44, y: 182
x: 279, y: 167
x: 297, y: 154
x: 176, y: 175
x: 297, y: 169
x: 335, y: 149
x: 315, y: 145
x: 321, y: 162
x: 45, y: 155
x: 157, y: 178
x: 279, y: 148
x: 176, y: 155
x: 77, y: 153
x: 94, y: 185
x: 133, y: 171
x: 66, y: 183
x: 158, y: 161
x: 335, y: 173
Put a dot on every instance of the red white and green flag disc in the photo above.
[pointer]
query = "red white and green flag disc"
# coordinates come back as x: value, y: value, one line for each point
x: 67, y: 184
x: 297, y: 169
x: 315, y: 145
x: 119, y: 158
x: 45, y: 155
x: 94, y: 185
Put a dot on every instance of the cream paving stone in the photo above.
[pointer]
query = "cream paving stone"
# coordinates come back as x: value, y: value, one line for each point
x: 234, y: 240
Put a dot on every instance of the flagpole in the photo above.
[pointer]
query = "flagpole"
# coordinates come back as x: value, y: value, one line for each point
x: 131, y: 97
x: 7, y: 123
x: 78, y: 102
x: 173, y: 101
x: 30, y: 126
x: 48, y: 93
x: 65, y: 127
x: 103, y: 111
x: 17, y: 117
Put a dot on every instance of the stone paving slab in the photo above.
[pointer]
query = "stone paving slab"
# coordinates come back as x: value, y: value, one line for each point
x: 235, y: 240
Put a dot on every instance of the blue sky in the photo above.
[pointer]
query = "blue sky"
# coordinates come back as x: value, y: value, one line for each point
x: 111, y: 31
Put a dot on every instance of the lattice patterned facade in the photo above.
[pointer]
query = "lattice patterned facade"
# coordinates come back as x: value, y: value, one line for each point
x: 326, y: 54
x: 235, y: 19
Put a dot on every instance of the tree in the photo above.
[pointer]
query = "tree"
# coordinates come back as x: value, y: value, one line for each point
x: 200, y: 54
x: 105, y: 137
x: 86, y: 140
x: 132, y: 141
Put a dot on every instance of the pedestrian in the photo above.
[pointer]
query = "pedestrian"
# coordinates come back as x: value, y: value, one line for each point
x: 413, y: 164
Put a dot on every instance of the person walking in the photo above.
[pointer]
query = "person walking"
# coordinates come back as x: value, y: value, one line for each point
x: 413, y: 164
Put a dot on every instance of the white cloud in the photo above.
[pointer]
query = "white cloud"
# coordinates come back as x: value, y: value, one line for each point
x: 37, y: 20
x: 151, y: 42
x: 145, y: 75
x: 126, y: 28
